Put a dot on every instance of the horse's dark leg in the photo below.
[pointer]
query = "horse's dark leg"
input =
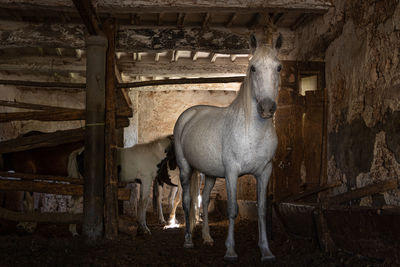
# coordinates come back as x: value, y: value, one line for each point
x: 184, y: 175
x: 231, y: 183
x: 262, y: 181
x: 208, y: 186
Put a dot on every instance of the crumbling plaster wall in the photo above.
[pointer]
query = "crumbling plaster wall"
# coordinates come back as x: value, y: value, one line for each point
x: 359, y: 41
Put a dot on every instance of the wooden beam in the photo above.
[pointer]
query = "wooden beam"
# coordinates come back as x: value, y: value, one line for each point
x: 41, y: 187
x: 40, y: 177
x: 42, y: 140
x: 19, y: 34
x: 192, y: 39
x: 44, y: 84
x: 368, y: 190
x: 55, y: 115
x: 52, y: 188
x: 182, y: 81
x: 89, y: 16
x: 213, y: 57
x: 181, y: 19
x: 30, y: 106
x: 231, y: 20
x: 167, y: 6
x: 308, y: 193
x: 110, y: 172
x: 59, y: 217
x: 206, y: 21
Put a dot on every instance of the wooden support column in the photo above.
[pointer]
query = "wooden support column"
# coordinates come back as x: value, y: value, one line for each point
x: 111, y: 179
x: 93, y: 205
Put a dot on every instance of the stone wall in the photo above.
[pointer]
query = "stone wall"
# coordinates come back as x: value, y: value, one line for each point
x: 359, y: 41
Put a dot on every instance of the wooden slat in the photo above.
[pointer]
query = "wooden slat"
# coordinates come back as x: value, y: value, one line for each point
x: 53, y: 188
x: 29, y: 106
x: 364, y: 191
x: 29, y: 176
x: 42, y: 140
x: 56, y: 115
x: 309, y: 192
x: 41, y: 187
x: 182, y: 81
x: 60, y: 217
x: 89, y: 16
x: 44, y: 84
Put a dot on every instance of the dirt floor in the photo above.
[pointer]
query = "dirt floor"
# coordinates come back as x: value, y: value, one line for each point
x: 52, y: 245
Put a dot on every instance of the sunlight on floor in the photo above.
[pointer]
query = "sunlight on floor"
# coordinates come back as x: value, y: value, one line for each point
x: 173, y: 224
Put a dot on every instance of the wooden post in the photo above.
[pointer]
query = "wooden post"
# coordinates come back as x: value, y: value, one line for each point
x: 93, y: 205
x: 111, y: 179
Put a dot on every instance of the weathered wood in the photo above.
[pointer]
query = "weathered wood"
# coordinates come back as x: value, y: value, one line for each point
x: 309, y: 192
x: 44, y: 84
x: 53, y: 188
x: 29, y: 106
x: 111, y: 179
x: 93, y: 204
x: 60, y: 217
x: 185, y: 66
x: 324, y: 238
x: 41, y: 187
x: 194, y: 39
x: 42, y: 140
x: 364, y: 191
x: 40, y: 177
x: 56, y: 115
x: 158, y: 6
x: 89, y: 16
x: 43, y: 64
x: 182, y: 81
x: 121, y: 122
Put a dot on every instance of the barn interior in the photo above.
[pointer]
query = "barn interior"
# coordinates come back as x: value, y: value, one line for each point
x: 334, y: 185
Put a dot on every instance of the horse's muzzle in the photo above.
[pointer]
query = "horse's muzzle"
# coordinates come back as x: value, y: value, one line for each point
x: 266, y: 108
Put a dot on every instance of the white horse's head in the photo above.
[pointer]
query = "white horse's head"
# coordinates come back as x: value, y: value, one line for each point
x: 264, y: 76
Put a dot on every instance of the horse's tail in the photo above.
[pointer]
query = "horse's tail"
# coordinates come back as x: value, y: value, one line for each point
x: 194, y: 198
x: 73, y: 168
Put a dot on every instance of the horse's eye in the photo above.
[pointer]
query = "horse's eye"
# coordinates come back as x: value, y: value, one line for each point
x: 253, y: 69
x: 279, y: 68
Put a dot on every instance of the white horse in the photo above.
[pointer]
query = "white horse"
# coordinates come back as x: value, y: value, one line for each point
x: 232, y: 141
x: 140, y: 163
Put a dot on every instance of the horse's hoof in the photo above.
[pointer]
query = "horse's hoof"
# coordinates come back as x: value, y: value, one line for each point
x: 269, y: 258
x: 208, y: 243
x: 232, y: 258
x: 188, y: 245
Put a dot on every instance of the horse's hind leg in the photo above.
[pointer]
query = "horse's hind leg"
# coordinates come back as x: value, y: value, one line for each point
x: 208, y: 186
x: 144, y: 198
x: 176, y: 201
x: 161, y: 219
x: 185, y: 175
x: 262, y: 181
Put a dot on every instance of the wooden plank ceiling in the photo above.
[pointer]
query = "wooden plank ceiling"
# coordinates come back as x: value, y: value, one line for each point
x: 160, y: 39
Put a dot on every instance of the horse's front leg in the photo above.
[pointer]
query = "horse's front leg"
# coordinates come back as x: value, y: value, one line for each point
x: 208, y: 186
x: 176, y: 201
x: 144, y: 199
x: 231, y: 182
x: 262, y: 181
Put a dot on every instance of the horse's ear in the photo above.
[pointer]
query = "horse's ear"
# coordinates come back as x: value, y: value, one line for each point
x: 278, y: 43
x: 253, y: 43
